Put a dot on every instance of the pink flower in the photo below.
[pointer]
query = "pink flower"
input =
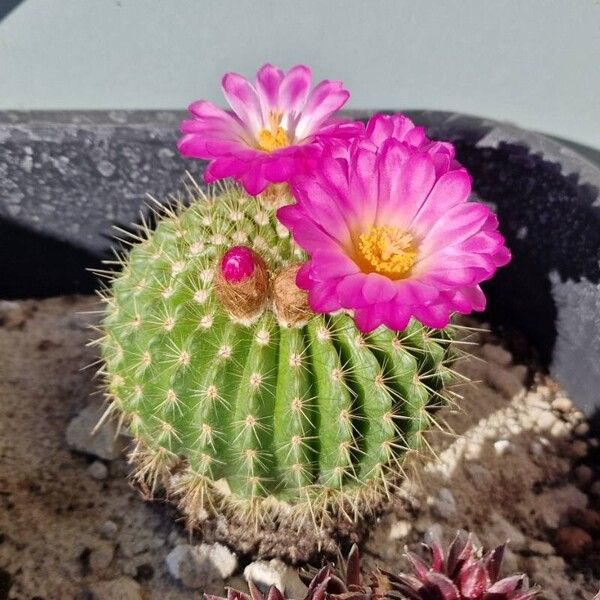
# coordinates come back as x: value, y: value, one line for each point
x: 274, y: 131
x: 390, y: 233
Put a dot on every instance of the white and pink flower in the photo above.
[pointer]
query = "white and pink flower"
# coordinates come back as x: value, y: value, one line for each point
x: 390, y: 232
x: 274, y: 131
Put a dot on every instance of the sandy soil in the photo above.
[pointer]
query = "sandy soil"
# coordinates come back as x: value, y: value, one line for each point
x: 517, y: 469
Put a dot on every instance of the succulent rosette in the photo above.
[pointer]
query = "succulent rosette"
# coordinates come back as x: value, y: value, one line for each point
x: 274, y: 131
x: 390, y: 232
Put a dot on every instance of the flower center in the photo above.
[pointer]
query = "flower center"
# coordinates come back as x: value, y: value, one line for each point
x: 275, y: 136
x: 387, y: 250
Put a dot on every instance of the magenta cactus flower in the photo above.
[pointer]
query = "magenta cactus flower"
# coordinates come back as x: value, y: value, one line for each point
x: 390, y: 233
x: 274, y: 131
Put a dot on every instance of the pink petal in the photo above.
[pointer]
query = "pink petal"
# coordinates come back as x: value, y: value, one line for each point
x: 349, y: 291
x: 268, y: 80
x: 294, y: 89
x: 325, y: 99
x: 409, y: 186
x: 330, y: 264
x: 377, y: 288
x: 459, y: 223
x: 322, y: 297
x: 242, y: 97
x: 436, y: 316
x: 449, y: 190
x: 369, y: 318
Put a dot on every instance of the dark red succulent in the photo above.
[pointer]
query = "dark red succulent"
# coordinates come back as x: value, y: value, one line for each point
x: 464, y: 573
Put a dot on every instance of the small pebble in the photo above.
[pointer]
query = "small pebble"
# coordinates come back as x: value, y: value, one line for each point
x: 584, y: 474
x: 503, y: 447
x: 559, y: 430
x: 587, y: 518
x: 497, y: 354
x: 443, y: 505
x: 504, y: 381
x: 541, y: 548
x: 400, y: 530
x: 579, y: 449
x: 582, y: 429
x: 101, y: 556
x: 108, y: 530
x: 546, y: 420
x: 264, y: 574
x: 562, y: 404
x: 98, y: 470
x: 123, y: 588
x: 595, y: 489
x: 520, y: 372
x: 572, y: 541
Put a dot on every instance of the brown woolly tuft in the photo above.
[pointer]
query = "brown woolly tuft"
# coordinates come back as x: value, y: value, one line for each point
x: 290, y: 303
x: 277, y: 194
x: 245, y: 301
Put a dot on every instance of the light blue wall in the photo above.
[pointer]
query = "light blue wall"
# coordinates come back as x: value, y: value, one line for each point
x: 532, y: 62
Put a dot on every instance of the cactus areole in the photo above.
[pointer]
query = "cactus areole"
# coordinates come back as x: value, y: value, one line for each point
x: 278, y: 356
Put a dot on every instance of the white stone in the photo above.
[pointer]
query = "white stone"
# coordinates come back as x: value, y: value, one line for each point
x: 503, y: 447
x: 103, y: 443
x: 197, y: 566
x: 98, y: 470
x: 443, y: 505
x: 400, y: 530
x: 264, y: 574
x: 123, y: 588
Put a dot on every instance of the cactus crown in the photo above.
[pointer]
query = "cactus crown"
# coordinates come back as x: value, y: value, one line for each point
x: 268, y: 413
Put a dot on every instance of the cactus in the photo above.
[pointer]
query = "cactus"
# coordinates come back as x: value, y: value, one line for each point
x: 309, y: 421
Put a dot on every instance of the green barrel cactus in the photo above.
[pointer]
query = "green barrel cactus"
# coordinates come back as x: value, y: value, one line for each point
x: 311, y: 421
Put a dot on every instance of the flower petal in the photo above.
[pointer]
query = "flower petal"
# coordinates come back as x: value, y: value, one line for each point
x: 242, y: 97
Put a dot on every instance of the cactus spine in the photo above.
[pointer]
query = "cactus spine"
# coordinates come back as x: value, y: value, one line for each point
x: 311, y: 420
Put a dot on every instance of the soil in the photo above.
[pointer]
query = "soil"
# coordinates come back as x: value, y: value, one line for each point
x: 519, y: 465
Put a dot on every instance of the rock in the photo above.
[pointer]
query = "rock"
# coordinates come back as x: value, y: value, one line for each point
x: 540, y: 548
x: 582, y: 429
x: 293, y: 584
x: 584, y: 474
x: 503, y: 447
x: 560, y: 429
x: 101, y: 556
x: 504, y: 381
x: 546, y: 420
x: 12, y: 314
x: 123, y: 588
x: 520, y: 372
x: 264, y: 574
x: 98, y: 470
x: 496, y: 354
x: 399, y: 530
x: 545, y: 570
x: 572, y: 541
x: 104, y: 443
x: 443, y: 505
x: 197, y: 566
x: 500, y: 531
x: 108, y: 530
x: 587, y: 519
x: 562, y: 404
x: 552, y: 504
x: 579, y: 449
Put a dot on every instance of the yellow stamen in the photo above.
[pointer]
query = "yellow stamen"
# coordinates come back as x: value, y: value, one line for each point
x: 387, y: 250
x: 275, y: 136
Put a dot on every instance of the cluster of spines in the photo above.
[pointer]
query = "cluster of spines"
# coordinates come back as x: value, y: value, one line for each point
x: 338, y: 409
